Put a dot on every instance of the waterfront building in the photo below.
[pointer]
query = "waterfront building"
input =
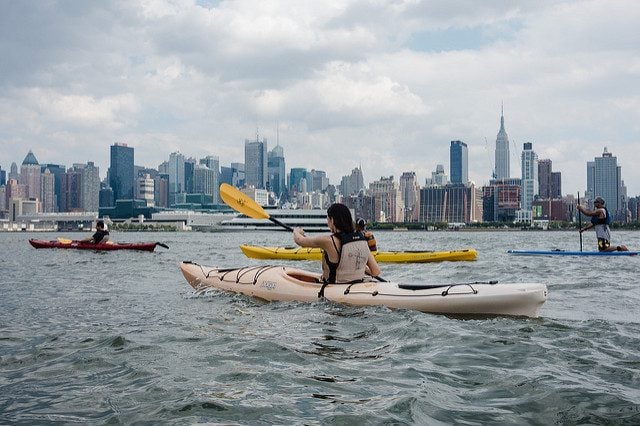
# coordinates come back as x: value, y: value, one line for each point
x: 551, y: 209
x: 455, y: 204
x: 529, y: 166
x: 438, y: 177
x: 255, y: 163
x: 503, y: 169
x: 311, y: 220
x: 21, y: 206
x: 604, y: 179
x: 3, y: 177
x: 388, y: 200
x: 121, y: 176
x: 501, y: 200
x: 410, y: 194
x: 277, y: 172
x: 30, y: 175
x: 458, y: 162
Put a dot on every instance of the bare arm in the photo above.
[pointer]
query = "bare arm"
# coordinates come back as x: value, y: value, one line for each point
x: 318, y: 241
x: 372, y: 266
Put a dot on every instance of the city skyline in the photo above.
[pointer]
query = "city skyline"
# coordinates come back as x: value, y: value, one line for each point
x: 385, y: 85
x: 178, y: 184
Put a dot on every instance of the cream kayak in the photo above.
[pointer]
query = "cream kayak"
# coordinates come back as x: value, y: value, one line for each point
x: 291, y: 284
x: 301, y: 253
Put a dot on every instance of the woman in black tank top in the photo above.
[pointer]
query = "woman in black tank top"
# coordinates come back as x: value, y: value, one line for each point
x: 341, y: 225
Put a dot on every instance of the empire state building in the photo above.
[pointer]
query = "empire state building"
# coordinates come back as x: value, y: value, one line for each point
x: 502, y: 152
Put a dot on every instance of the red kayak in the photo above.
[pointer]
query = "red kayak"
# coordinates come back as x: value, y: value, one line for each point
x: 80, y: 245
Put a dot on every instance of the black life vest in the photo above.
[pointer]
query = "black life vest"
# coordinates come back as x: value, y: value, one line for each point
x: 600, y: 221
x: 345, y: 238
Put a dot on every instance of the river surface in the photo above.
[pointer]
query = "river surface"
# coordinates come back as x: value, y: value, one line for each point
x: 120, y: 338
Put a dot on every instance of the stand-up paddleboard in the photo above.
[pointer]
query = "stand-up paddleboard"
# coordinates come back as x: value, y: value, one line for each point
x: 571, y: 253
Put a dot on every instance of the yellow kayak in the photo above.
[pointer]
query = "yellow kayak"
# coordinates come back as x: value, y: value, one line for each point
x: 301, y: 253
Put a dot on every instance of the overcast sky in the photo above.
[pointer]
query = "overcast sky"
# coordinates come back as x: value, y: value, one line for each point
x: 384, y: 84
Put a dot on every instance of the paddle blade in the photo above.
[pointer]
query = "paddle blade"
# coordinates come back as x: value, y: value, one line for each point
x: 162, y: 245
x: 240, y: 202
x: 64, y: 240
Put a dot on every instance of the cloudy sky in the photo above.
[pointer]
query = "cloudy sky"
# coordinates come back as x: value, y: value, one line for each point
x: 384, y: 84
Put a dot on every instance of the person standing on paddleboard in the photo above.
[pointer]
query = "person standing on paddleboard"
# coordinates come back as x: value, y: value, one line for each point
x: 346, y: 258
x: 600, y: 220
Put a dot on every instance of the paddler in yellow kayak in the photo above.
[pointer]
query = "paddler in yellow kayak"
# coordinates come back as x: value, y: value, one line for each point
x: 361, y: 226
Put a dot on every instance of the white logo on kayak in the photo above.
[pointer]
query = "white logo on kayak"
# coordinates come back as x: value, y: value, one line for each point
x: 269, y: 285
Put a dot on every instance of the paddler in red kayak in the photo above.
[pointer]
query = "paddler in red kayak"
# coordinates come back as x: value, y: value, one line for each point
x: 101, y: 235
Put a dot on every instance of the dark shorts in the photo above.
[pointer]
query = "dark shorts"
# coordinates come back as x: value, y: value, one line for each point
x: 603, y: 244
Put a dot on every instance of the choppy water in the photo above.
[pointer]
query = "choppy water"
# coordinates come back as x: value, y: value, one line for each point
x: 120, y: 338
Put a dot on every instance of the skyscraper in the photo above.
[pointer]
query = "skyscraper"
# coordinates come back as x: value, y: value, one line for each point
x: 176, y: 175
x: 604, y: 179
x: 277, y: 171
x: 458, y: 162
x: 297, y: 175
x: 544, y: 178
x: 503, y: 169
x: 121, y: 177
x: 189, y: 167
x: 47, y: 191
x: 90, y: 186
x: 410, y: 194
x: 549, y: 182
x: 57, y: 170
x: 387, y: 199
x: 255, y: 163
x: 353, y: 183
x: 529, y: 176
x: 30, y: 175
